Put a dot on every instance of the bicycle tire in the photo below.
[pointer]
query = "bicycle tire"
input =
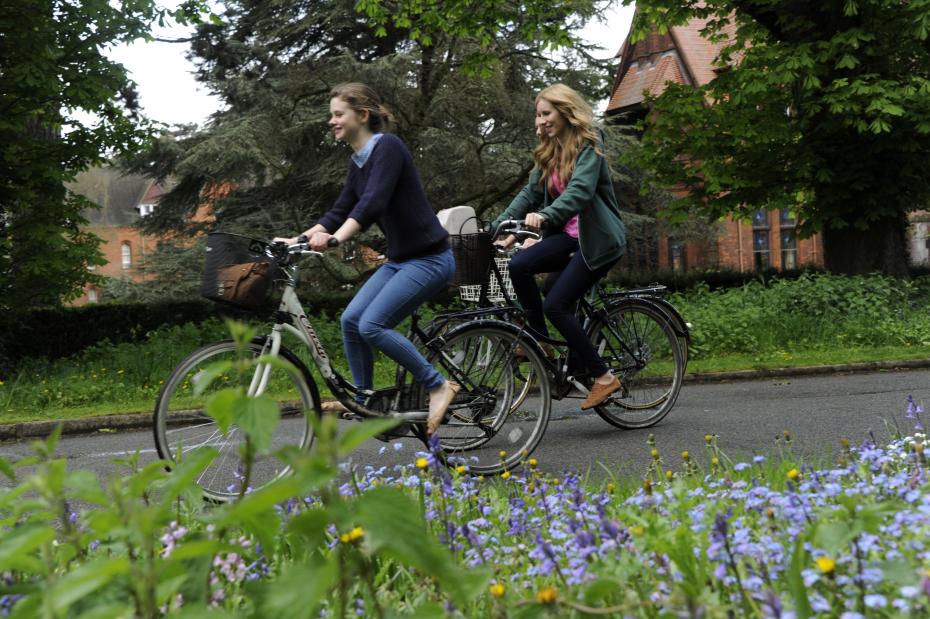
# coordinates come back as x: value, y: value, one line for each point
x: 180, y: 416
x: 648, y: 362
x: 482, y: 423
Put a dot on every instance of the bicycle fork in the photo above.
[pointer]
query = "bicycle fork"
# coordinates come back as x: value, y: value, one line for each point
x: 263, y: 370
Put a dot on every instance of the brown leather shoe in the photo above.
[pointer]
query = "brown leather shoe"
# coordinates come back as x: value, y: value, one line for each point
x: 599, y: 393
x: 439, y: 406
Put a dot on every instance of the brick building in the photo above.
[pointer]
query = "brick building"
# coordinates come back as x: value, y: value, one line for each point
x: 683, y: 56
x: 122, y: 198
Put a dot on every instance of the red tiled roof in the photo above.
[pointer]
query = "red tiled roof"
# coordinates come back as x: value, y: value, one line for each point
x: 682, y: 56
x: 155, y: 191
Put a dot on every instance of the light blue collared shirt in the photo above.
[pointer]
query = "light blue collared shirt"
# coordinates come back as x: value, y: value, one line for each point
x: 361, y: 157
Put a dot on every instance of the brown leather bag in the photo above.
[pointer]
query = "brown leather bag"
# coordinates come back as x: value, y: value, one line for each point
x: 244, y: 284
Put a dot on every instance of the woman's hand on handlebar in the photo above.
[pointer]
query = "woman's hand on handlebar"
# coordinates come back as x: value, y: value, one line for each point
x: 535, y: 221
x: 529, y: 242
x: 506, y: 242
x: 287, y: 240
x: 319, y: 241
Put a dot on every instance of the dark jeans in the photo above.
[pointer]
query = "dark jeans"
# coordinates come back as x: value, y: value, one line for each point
x: 550, y: 255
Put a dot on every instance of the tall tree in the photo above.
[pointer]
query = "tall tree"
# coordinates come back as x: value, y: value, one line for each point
x: 819, y: 107
x: 53, y: 72
x: 463, y: 101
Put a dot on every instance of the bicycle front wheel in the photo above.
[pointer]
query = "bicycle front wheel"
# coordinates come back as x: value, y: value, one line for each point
x: 485, y: 430
x: 639, y: 345
x: 182, y: 425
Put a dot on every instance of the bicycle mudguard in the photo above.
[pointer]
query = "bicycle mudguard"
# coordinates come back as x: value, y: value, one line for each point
x: 679, y: 326
x: 520, y: 332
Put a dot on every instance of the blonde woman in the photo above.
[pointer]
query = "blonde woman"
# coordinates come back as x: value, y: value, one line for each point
x: 570, y: 197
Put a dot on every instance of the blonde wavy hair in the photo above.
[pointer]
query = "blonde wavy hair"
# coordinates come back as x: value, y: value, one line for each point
x: 560, y: 155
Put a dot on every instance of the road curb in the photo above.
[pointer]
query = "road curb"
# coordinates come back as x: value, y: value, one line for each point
x: 813, y: 370
x: 107, y: 423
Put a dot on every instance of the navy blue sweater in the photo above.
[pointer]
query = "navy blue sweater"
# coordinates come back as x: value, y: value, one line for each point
x: 387, y: 190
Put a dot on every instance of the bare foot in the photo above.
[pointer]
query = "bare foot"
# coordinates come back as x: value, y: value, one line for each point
x: 333, y: 406
x: 439, y: 400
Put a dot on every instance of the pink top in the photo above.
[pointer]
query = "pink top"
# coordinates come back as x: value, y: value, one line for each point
x: 571, y: 226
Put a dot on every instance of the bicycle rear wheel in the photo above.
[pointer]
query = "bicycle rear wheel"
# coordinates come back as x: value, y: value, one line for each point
x: 639, y: 345
x: 484, y: 430
x: 182, y: 425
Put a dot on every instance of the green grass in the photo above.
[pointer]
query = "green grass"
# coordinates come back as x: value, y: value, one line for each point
x: 806, y: 358
x: 815, y: 320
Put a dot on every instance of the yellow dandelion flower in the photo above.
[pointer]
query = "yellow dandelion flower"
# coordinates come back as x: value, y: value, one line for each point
x: 611, y: 487
x: 685, y: 455
x: 505, y: 475
x: 714, y: 461
x: 356, y: 534
x: 793, y: 474
x: 422, y: 463
x: 533, y: 462
x: 344, y: 538
x: 655, y: 453
x: 647, y: 485
x: 637, y: 530
x: 669, y: 475
x: 826, y: 565
x: 708, y: 438
x: 460, y: 469
x: 498, y: 590
x: 547, y: 596
x: 502, y: 454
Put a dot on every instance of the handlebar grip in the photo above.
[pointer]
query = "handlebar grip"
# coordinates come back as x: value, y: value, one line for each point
x: 332, y: 242
x: 303, y: 238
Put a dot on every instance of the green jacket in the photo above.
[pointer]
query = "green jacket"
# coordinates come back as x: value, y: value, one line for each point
x: 589, y: 194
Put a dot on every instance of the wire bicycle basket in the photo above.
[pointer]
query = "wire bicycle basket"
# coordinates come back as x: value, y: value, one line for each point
x: 239, y: 272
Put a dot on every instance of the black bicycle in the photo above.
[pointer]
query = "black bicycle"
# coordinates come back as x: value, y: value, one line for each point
x: 641, y: 337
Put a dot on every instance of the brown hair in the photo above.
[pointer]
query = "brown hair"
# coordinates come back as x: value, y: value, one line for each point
x: 362, y: 98
x: 551, y: 154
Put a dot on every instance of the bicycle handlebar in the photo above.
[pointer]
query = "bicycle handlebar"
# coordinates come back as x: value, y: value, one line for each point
x: 514, y: 226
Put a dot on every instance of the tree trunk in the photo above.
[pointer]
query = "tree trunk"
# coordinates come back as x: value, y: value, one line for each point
x: 881, y: 248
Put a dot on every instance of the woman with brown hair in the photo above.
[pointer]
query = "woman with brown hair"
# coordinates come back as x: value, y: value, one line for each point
x: 383, y: 187
x: 570, y: 196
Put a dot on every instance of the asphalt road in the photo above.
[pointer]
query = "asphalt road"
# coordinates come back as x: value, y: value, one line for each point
x: 747, y: 416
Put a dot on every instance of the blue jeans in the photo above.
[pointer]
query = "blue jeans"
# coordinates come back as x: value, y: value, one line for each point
x: 390, y: 295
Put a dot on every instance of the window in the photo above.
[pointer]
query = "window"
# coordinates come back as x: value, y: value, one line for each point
x: 676, y: 255
x: 91, y: 296
x: 127, y: 255
x: 789, y: 239
x: 760, y: 240
x: 146, y: 209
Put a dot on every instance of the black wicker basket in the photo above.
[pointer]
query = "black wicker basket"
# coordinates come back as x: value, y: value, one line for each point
x: 238, y: 272
x: 473, y: 254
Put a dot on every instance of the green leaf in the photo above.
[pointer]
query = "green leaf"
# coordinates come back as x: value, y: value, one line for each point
x: 602, y: 589
x: 358, y: 433
x: 205, y: 377
x: 108, y: 611
x: 833, y: 536
x: 258, y: 417
x: 802, y: 606
x: 7, y: 469
x: 297, y: 591
x: 220, y: 407
x: 310, y: 525
x: 83, y: 581
x: 16, y: 545
x: 394, y: 526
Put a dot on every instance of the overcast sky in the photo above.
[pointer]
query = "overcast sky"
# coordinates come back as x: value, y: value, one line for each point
x: 169, y: 94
